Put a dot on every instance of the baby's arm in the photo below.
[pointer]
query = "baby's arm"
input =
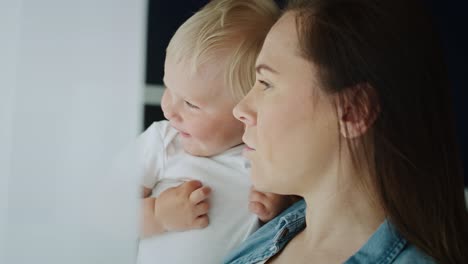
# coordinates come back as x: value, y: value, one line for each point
x: 268, y: 205
x: 179, y: 208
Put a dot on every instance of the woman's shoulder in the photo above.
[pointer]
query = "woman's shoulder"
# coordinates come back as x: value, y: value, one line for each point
x: 413, y: 255
x: 387, y: 246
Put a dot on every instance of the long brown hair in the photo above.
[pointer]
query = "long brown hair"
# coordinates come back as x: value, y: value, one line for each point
x: 391, y: 46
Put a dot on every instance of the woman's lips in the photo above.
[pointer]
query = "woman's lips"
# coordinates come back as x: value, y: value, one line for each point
x: 247, y: 148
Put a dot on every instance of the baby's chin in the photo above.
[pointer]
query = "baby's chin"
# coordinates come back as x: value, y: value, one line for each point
x: 195, y: 150
x: 200, y: 151
x: 196, y: 153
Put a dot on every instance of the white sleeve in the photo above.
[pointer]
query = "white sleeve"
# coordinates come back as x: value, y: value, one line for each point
x: 151, y: 154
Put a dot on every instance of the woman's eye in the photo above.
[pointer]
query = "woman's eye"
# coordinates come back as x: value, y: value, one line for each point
x: 265, y: 85
x: 191, y: 105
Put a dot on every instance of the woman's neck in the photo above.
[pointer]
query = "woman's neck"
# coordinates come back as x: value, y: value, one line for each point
x: 341, y: 218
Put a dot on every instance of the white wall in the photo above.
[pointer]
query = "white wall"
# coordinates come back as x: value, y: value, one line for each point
x: 9, y: 29
x: 72, y: 101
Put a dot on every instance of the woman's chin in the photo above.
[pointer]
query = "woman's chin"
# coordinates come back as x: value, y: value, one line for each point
x: 260, y: 185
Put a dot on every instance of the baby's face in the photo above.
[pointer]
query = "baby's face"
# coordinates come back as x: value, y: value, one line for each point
x: 200, y: 107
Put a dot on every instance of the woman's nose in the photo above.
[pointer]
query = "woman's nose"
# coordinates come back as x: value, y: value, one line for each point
x: 244, y: 112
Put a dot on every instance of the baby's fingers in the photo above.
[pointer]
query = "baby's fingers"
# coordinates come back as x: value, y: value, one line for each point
x: 256, y: 196
x: 201, y: 208
x: 258, y: 208
x: 200, y: 194
x: 201, y: 222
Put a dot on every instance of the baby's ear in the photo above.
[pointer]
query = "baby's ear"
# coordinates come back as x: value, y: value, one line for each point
x: 358, y: 108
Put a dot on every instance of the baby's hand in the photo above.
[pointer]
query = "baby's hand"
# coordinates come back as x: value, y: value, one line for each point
x: 183, y: 207
x: 268, y: 205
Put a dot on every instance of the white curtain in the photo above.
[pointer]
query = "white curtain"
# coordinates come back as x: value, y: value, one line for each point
x: 71, y: 85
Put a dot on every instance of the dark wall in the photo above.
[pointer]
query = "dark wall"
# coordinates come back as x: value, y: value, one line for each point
x: 450, y: 19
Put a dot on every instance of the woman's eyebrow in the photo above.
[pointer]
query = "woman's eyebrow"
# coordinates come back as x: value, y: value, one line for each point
x: 261, y: 67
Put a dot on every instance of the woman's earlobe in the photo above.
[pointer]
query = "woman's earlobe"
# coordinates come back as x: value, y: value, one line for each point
x: 357, y: 111
x: 353, y: 129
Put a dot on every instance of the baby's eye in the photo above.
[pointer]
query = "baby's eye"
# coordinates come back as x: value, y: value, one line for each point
x: 191, y: 105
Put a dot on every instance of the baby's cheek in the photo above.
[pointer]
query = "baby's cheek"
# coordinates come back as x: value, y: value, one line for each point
x: 199, y: 133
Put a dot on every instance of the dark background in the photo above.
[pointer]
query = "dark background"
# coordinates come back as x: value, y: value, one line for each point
x: 164, y: 17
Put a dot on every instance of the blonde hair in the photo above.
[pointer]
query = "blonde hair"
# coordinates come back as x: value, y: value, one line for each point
x: 234, y: 29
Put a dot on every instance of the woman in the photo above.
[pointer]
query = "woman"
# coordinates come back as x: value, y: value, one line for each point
x: 351, y: 110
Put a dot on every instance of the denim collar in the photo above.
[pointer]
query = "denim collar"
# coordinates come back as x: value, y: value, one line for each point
x: 271, y: 237
x: 383, y: 246
x: 290, y: 224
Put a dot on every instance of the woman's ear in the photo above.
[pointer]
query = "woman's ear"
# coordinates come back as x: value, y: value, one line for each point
x: 358, y: 108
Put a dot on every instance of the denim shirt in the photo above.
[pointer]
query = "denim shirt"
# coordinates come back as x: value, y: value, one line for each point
x: 383, y: 247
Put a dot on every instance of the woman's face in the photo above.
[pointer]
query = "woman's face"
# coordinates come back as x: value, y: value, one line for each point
x: 291, y: 127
